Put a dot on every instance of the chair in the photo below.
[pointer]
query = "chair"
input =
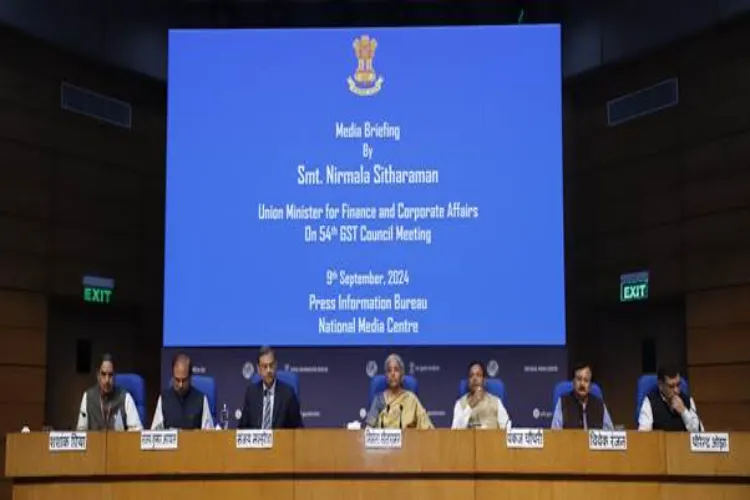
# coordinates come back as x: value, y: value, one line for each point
x: 647, y: 383
x: 207, y: 385
x: 566, y: 386
x: 494, y: 386
x: 135, y: 385
x: 289, y: 378
x: 379, y: 383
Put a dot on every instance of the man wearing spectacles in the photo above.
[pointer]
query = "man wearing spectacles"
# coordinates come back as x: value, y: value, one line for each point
x: 579, y: 409
x: 106, y: 406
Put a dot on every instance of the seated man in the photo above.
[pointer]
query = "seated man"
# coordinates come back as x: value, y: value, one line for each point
x: 182, y: 406
x: 666, y: 408
x: 396, y: 407
x: 105, y: 406
x: 478, y: 408
x: 270, y: 404
x: 579, y: 409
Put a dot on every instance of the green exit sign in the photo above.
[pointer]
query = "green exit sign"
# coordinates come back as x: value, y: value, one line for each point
x: 98, y: 290
x: 634, y: 286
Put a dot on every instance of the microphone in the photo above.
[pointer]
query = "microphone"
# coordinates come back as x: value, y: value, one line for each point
x: 400, y: 416
x: 387, y: 410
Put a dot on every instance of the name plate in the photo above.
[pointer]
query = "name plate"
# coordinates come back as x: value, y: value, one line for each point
x: 525, y: 438
x: 255, y: 439
x: 383, y: 439
x: 159, y: 440
x: 67, y: 441
x: 608, y: 440
x: 709, y: 442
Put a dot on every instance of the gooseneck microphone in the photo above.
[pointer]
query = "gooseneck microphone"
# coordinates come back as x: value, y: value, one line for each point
x: 387, y: 410
x: 400, y: 416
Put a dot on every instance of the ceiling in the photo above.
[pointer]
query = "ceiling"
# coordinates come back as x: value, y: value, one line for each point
x: 133, y: 33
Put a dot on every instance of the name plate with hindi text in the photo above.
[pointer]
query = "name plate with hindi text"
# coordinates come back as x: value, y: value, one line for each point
x: 159, y: 440
x: 709, y: 442
x: 383, y: 439
x: 67, y: 441
x: 525, y: 438
x: 608, y: 440
x: 254, y: 439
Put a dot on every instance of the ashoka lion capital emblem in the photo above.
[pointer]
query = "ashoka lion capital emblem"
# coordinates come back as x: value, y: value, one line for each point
x: 365, y: 82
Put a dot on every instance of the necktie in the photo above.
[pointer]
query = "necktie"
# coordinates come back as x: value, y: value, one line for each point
x: 266, y: 410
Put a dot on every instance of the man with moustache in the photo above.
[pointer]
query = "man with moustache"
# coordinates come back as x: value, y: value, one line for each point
x: 666, y: 408
x: 478, y: 408
x: 106, y: 406
x: 270, y: 404
x: 579, y: 409
x: 182, y: 406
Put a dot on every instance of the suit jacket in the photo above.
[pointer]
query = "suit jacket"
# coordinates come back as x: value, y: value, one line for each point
x: 286, y: 411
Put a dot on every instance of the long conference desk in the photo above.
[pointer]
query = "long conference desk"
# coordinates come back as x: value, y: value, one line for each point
x: 334, y: 465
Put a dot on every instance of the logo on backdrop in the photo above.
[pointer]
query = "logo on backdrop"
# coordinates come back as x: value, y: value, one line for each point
x: 541, y: 368
x: 247, y: 370
x: 492, y: 368
x: 305, y: 369
x: 537, y: 413
x: 415, y: 368
x: 365, y: 82
x: 371, y: 369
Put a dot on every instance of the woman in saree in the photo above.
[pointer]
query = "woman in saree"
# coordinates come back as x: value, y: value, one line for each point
x: 396, y: 407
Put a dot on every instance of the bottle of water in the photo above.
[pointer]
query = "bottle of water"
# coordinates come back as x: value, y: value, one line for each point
x: 224, y: 417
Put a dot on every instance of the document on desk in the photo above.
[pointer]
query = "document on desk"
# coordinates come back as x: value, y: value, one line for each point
x: 67, y: 441
x: 608, y: 440
x: 525, y: 438
x: 159, y: 440
x: 383, y: 439
x: 709, y: 442
x: 254, y: 439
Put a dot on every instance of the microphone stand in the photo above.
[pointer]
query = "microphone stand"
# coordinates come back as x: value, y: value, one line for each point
x: 382, y: 414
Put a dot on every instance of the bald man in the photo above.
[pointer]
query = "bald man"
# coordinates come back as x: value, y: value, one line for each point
x: 182, y: 406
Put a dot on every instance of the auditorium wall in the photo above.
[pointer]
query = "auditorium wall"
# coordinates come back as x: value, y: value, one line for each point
x: 668, y: 193
x: 76, y: 197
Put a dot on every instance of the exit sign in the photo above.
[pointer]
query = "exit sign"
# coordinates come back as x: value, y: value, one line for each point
x: 98, y: 290
x: 634, y: 286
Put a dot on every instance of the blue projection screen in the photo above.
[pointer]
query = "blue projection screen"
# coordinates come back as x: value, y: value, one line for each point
x: 397, y: 186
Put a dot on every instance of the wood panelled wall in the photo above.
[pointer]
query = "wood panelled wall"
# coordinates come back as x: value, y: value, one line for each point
x: 77, y: 197
x: 670, y: 193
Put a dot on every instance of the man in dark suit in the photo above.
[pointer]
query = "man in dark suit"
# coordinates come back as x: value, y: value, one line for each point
x: 270, y: 404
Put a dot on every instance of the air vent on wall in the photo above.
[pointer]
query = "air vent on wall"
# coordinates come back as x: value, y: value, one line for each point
x: 643, y: 102
x: 86, y: 102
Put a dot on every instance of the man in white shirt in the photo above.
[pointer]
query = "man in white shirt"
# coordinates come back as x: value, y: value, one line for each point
x: 579, y: 409
x: 182, y: 406
x: 666, y: 408
x: 105, y: 406
x: 478, y: 408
